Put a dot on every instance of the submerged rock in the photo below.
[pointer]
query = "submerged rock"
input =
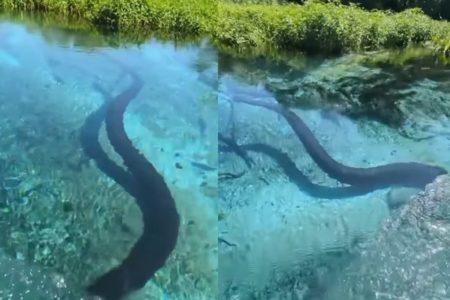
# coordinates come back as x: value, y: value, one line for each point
x: 398, y: 196
x: 402, y: 90
x: 409, y: 258
x: 22, y: 281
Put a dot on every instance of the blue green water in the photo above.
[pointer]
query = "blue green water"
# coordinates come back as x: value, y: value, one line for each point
x: 280, y: 241
x: 254, y: 225
x: 63, y: 221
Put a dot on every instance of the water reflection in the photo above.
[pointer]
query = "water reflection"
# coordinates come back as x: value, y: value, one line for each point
x: 283, y: 237
x: 58, y: 210
x: 57, y: 29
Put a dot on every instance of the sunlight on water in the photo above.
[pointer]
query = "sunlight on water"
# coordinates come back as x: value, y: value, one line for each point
x: 284, y: 237
x: 59, y: 213
x: 288, y: 226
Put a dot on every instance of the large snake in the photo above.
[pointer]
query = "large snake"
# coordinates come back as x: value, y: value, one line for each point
x: 408, y: 174
x: 146, y: 185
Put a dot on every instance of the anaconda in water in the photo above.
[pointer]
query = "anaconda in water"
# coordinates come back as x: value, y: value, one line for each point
x: 408, y: 174
x: 146, y: 185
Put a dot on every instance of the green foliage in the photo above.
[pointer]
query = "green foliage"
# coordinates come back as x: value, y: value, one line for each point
x: 252, y: 26
x: 435, y: 8
x: 318, y: 27
x: 442, y: 48
x: 185, y: 18
x: 254, y: 1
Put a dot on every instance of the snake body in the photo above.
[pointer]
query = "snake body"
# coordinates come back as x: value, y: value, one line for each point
x: 407, y: 174
x: 146, y: 185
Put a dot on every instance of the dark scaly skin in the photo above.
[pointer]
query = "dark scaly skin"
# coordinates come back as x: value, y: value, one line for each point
x: 160, y: 217
x: 92, y: 148
x: 408, y: 174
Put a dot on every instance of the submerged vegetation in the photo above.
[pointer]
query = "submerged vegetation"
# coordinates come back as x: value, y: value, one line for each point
x: 254, y: 26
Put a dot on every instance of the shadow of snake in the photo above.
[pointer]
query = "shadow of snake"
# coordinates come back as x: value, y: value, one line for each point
x: 299, y: 178
x: 408, y: 174
x: 145, y: 184
x: 234, y: 147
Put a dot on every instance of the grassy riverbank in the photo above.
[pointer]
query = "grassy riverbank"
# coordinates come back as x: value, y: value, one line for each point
x: 170, y: 16
x: 322, y: 28
x: 314, y: 27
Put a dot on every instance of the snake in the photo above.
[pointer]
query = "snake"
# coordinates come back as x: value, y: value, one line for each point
x: 149, y: 189
x: 406, y: 174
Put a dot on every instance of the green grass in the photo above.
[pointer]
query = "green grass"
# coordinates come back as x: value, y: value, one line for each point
x: 315, y: 27
x: 170, y: 16
x: 325, y: 28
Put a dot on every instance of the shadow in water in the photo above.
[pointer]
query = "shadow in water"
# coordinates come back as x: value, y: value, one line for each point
x: 298, y: 177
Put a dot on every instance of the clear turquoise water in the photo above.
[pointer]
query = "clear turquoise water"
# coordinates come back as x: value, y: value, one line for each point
x: 279, y: 241
x: 64, y: 222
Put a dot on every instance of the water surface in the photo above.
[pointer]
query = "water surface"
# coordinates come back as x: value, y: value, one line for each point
x: 63, y: 221
x: 279, y: 238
